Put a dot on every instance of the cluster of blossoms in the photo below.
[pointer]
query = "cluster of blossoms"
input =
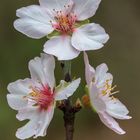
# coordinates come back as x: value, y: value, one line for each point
x: 65, y: 23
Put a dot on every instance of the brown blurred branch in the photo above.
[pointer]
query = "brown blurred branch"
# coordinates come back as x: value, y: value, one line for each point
x: 66, y: 106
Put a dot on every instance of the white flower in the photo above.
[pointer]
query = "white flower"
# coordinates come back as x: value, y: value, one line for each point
x: 63, y: 16
x: 35, y: 98
x: 99, y: 83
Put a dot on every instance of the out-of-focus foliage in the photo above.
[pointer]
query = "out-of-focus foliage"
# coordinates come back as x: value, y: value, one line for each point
x: 121, y: 19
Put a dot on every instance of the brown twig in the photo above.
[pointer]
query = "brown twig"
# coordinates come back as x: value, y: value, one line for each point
x: 66, y: 106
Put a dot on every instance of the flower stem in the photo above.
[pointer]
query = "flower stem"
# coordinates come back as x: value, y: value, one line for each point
x: 67, y: 71
x: 68, y: 109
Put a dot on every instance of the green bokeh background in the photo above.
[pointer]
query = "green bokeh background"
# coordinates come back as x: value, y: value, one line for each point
x: 121, y: 19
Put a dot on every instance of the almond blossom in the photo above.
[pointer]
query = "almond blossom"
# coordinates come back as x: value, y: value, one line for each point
x: 35, y: 98
x: 64, y: 19
x: 99, y: 83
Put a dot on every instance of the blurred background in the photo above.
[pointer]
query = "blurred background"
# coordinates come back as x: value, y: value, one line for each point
x: 121, y: 19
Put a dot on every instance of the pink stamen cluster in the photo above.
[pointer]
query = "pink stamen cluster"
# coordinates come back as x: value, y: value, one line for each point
x: 42, y: 96
x: 64, y: 22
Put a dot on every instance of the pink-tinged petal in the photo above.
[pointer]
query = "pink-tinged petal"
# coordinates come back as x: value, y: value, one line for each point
x: 28, y: 130
x: 48, y: 63
x: 20, y: 87
x: 57, y: 5
x: 89, y: 70
x: 38, y: 124
x: 117, y: 110
x: 36, y: 70
x: 47, y: 117
x: 27, y: 113
x: 42, y: 69
x: 89, y: 37
x: 101, y: 70
x: 109, y: 77
x: 102, y: 76
x: 85, y: 9
x: 16, y: 102
x: 66, y: 91
x: 33, y: 22
x: 111, y: 123
x: 97, y: 103
x: 61, y: 47
x: 17, y: 91
x: 68, y: 7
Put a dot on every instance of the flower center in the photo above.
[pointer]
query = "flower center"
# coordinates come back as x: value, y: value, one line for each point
x: 43, y: 97
x: 108, y: 89
x: 64, y: 22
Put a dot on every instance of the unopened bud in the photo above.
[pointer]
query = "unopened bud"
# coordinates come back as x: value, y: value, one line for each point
x: 86, y: 101
x: 78, y: 103
x: 60, y: 105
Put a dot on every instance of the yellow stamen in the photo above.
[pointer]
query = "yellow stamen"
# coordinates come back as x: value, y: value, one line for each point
x: 33, y: 94
x: 108, y: 88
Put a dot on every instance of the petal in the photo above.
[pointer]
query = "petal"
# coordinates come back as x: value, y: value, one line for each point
x: 38, y: 124
x: 44, y: 124
x: 48, y: 63
x: 111, y: 123
x: 42, y: 69
x: 117, y: 110
x: 101, y: 70
x: 18, y: 90
x: 58, y: 5
x: 89, y: 37
x: 20, y: 87
x: 16, y: 102
x: 33, y: 22
x: 61, y: 47
x: 89, y: 70
x: 27, y: 113
x: 85, y: 9
x: 101, y: 75
x: 97, y: 103
x: 36, y: 70
x: 28, y: 130
x: 66, y: 91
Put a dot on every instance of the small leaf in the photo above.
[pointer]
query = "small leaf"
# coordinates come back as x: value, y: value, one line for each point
x: 78, y: 103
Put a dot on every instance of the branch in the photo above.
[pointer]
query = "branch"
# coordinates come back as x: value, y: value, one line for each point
x: 66, y: 106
